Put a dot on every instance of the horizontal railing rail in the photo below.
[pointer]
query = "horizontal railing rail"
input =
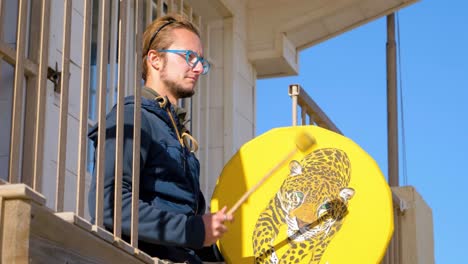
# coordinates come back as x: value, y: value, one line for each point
x: 309, y: 109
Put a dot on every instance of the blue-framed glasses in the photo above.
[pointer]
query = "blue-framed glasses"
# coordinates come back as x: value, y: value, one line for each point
x: 192, y: 58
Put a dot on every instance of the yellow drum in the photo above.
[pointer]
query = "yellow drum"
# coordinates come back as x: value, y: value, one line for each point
x: 328, y: 204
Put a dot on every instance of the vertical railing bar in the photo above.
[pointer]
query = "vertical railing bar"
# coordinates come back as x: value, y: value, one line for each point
x: 206, y: 101
x: 41, y: 96
x: 149, y: 11
x: 62, y: 140
x: 303, y: 115
x: 102, y: 86
x: 189, y: 13
x: 293, y: 91
x: 397, y: 237
x: 1, y: 217
x: 198, y: 25
x: 137, y: 126
x: 2, y: 14
x: 83, y: 141
x: 172, y: 6
x: 160, y: 9
x: 199, y: 22
x: 195, y: 114
x: 120, y: 120
x: 130, y: 46
x: 112, y: 54
x: 391, y: 250
x: 17, y: 108
x: 181, y: 7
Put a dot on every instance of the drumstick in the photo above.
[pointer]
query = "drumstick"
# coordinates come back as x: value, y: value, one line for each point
x: 303, y: 142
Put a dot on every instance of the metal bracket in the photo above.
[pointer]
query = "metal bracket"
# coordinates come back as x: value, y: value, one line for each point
x: 294, y: 89
x: 55, y: 77
x: 402, y: 204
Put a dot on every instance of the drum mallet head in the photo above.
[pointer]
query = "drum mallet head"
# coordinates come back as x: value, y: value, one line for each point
x: 305, y: 141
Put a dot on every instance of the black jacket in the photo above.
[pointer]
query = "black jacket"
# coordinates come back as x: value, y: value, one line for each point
x: 171, y: 203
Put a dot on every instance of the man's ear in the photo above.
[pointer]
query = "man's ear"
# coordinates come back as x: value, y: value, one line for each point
x: 154, y: 59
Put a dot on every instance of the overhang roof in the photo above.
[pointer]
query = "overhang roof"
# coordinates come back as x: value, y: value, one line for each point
x: 278, y: 29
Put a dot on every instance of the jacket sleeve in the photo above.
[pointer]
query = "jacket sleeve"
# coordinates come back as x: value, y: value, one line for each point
x: 155, y: 226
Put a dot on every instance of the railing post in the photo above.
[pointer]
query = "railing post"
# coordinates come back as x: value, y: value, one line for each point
x: 64, y: 103
x: 293, y: 92
x: 103, y: 42
x: 136, y: 126
x: 41, y: 97
x: 84, y: 100
x: 18, y: 91
x: 120, y: 121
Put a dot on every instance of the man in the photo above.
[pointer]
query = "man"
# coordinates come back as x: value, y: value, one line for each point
x: 172, y: 219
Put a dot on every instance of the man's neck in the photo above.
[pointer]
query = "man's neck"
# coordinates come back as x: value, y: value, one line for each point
x: 162, y: 91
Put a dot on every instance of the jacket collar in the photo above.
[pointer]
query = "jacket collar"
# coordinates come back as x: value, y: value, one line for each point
x: 151, y: 94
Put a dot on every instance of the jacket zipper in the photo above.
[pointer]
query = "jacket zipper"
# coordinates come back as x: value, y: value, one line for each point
x: 181, y: 141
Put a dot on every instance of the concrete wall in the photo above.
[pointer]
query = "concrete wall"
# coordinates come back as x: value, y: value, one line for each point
x: 416, y: 228
x: 227, y: 94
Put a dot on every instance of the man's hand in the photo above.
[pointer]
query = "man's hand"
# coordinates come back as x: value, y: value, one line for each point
x: 214, y: 226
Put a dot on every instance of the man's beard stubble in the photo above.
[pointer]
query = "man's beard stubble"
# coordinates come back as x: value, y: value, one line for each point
x: 177, y: 90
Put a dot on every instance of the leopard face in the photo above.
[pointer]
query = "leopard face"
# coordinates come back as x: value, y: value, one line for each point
x: 312, y: 202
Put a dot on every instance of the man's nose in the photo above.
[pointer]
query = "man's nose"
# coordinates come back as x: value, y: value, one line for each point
x: 198, y: 68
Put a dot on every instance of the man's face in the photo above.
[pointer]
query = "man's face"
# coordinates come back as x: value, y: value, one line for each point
x: 178, y: 77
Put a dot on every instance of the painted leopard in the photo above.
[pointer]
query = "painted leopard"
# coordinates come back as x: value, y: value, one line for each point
x: 312, y: 202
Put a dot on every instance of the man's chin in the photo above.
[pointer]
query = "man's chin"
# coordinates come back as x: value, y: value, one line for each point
x: 185, y: 93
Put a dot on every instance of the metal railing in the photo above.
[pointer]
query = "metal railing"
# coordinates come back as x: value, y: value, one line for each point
x: 120, y: 24
x: 311, y: 111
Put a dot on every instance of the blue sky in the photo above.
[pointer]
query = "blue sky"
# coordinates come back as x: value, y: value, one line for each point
x: 346, y: 76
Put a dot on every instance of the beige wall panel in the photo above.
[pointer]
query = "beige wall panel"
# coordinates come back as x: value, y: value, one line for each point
x: 74, y: 94
x: 245, y: 100
x: 78, y: 6
x: 76, y: 39
x: 417, y: 235
x: 240, y: 22
x: 72, y: 145
x: 215, y: 125
x: 216, y: 44
x: 49, y: 169
x: 216, y: 87
x: 216, y: 166
x: 49, y: 181
x: 56, y: 28
x: 56, y: 33
x: 70, y: 192
x: 244, y: 67
x: 244, y: 130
